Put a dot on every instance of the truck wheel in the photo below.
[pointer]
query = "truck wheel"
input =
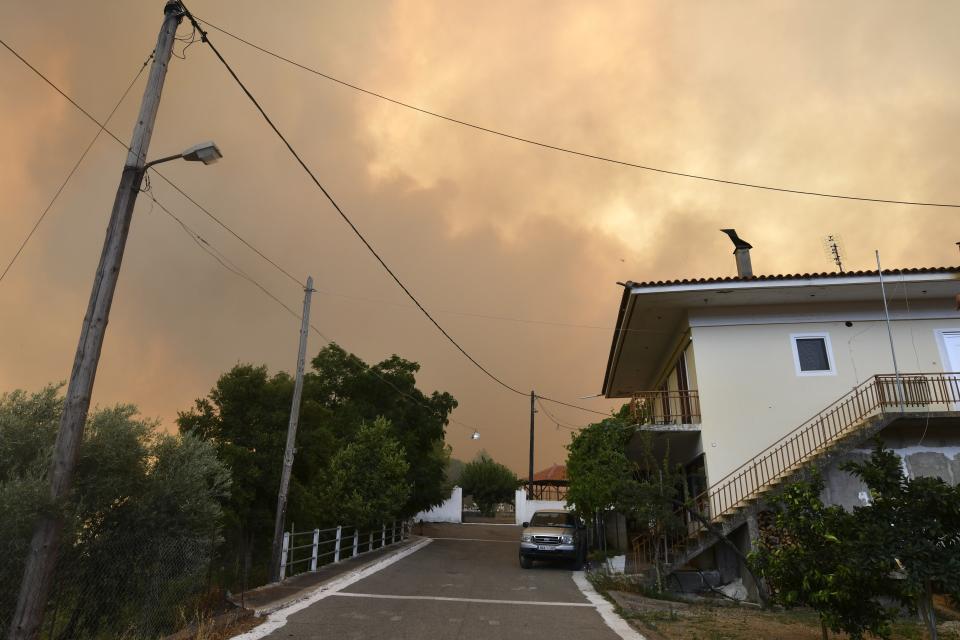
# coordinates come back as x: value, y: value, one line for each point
x: 525, y: 562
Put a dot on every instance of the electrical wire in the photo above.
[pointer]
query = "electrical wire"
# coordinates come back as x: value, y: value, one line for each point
x: 224, y: 262
x: 205, y: 38
x: 106, y: 130
x: 484, y: 316
x: 230, y: 266
x: 176, y: 187
x: 574, y: 152
x: 560, y: 425
x: 76, y: 165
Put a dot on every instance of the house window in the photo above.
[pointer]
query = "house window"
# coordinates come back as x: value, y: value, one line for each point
x: 812, y: 354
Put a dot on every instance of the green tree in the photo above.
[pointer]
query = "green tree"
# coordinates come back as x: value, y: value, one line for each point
x: 245, y: 418
x: 824, y: 558
x: 454, y: 471
x: 367, y: 482
x: 916, y: 521
x: 356, y: 393
x: 141, y: 521
x: 603, y: 478
x: 600, y: 474
x: 490, y: 483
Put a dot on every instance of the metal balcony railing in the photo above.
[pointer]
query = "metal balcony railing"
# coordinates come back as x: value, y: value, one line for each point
x: 666, y: 407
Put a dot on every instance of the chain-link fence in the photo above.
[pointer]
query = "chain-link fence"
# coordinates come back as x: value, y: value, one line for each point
x: 119, y: 587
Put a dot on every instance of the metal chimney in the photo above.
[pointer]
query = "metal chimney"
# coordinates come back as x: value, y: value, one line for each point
x: 742, y: 252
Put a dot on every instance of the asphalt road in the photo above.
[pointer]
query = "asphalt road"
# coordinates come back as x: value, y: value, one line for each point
x: 465, y: 584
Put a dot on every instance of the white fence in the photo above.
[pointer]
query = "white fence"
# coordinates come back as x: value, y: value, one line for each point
x: 309, y: 550
x: 526, y: 508
x: 450, y: 511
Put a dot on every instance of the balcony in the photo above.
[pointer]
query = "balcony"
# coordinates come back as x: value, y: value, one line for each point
x: 666, y: 410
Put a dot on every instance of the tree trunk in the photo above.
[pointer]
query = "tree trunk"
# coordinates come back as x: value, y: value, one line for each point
x: 823, y: 628
x: 925, y: 606
x: 656, y: 562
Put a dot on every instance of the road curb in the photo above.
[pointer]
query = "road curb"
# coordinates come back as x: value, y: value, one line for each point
x: 308, y: 592
x: 278, y: 617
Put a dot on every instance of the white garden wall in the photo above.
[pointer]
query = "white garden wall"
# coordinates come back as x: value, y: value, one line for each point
x: 450, y: 511
x: 526, y: 508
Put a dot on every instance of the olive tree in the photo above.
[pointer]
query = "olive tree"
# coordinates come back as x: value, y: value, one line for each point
x: 141, y: 521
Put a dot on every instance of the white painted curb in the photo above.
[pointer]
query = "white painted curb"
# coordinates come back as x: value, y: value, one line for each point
x: 620, y: 626
x: 278, y: 618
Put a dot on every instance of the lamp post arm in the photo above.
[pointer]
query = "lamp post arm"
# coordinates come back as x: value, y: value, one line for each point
x: 163, y: 159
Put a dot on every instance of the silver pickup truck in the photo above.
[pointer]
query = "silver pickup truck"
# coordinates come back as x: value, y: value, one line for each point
x: 553, y: 534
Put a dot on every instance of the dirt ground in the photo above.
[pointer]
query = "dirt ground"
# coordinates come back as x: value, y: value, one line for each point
x: 666, y: 620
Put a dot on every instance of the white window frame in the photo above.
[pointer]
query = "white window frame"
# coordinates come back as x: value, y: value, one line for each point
x: 939, y: 336
x: 832, y: 371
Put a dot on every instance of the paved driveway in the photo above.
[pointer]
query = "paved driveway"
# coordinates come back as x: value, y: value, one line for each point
x: 466, y: 583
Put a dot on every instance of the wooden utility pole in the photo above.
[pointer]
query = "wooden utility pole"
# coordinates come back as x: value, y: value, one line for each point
x: 533, y: 411
x: 291, y: 438
x: 44, y: 546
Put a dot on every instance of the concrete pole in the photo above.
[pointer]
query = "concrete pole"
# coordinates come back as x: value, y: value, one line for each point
x: 44, y: 546
x: 275, y: 572
x: 533, y: 411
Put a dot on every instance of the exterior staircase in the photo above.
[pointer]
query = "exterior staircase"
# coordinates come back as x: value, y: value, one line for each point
x: 849, y: 421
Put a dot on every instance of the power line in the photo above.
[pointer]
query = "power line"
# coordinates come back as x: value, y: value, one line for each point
x: 245, y: 242
x: 574, y: 152
x: 223, y: 225
x: 222, y: 259
x: 485, y: 316
x: 104, y: 129
x: 201, y: 242
x: 205, y: 38
x: 230, y: 266
x: 76, y: 165
x: 333, y: 202
x: 557, y: 422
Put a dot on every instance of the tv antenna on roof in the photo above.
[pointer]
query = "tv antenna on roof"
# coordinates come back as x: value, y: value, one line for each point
x: 833, y: 247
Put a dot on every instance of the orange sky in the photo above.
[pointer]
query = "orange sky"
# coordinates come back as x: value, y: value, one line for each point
x: 855, y: 97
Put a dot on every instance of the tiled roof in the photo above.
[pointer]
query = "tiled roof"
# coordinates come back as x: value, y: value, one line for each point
x: 791, y: 276
x: 554, y: 472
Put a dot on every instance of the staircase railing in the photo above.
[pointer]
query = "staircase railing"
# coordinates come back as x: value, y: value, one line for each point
x: 880, y: 394
x: 876, y: 395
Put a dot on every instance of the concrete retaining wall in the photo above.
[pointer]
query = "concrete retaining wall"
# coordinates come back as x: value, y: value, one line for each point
x: 450, y: 511
x: 933, y: 451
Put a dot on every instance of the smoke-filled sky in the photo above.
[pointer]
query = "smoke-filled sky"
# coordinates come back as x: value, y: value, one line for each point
x: 857, y: 98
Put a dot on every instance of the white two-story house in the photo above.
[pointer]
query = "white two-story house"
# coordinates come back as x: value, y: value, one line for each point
x: 749, y: 379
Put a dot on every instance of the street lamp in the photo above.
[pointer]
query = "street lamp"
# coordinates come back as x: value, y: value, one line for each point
x: 205, y: 152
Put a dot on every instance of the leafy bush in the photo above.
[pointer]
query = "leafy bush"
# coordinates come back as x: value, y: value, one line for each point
x: 490, y: 483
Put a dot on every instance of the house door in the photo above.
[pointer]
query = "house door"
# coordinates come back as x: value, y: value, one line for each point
x: 951, y: 347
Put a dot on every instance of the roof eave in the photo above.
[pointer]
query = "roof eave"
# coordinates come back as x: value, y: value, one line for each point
x: 617, y: 334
